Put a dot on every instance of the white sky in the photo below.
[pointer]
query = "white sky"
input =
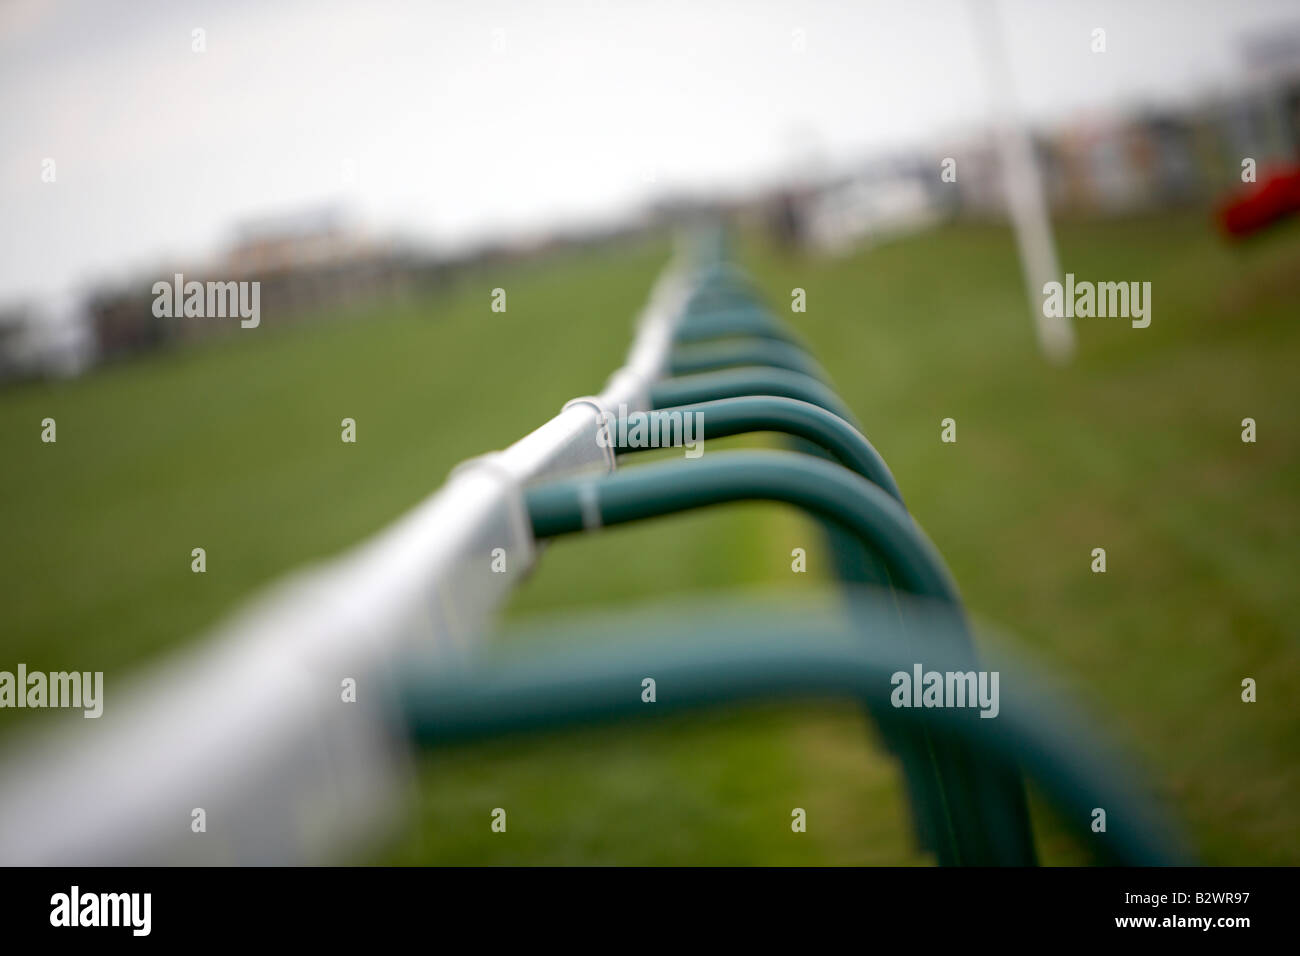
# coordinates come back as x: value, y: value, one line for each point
x: 590, y: 108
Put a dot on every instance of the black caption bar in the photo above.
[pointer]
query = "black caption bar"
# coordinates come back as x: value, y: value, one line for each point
x: 334, y: 904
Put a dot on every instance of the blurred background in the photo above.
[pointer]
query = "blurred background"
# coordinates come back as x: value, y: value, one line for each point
x: 381, y: 167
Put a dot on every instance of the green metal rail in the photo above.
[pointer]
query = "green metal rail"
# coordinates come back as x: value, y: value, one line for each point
x: 820, y: 487
x: 738, y: 322
x: 773, y: 353
x: 769, y: 413
x: 743, y: 382
x: 723, y: 655
x: 737, y: 370
x: 966, y: 799
x: 953, y: 799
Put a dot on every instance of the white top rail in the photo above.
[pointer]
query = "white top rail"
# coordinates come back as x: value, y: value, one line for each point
x: 249, y: 724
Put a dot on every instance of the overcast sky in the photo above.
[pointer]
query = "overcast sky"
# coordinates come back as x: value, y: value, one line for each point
x: 446, y: 121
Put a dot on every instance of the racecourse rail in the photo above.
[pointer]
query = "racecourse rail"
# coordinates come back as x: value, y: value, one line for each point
x: 248, y: 723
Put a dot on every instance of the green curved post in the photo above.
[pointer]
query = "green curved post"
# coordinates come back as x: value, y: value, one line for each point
x: 751, y: 321
x: 820, y: 487
x: 773, y: 353
x: 969, y: 796
x: 730, y: 655
x: 742, y: 382
x: 768, y: 413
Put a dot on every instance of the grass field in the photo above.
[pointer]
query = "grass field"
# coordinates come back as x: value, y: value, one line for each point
x: 1135, y: 447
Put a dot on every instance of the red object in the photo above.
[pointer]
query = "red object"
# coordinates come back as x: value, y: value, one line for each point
x: 1258, y: 205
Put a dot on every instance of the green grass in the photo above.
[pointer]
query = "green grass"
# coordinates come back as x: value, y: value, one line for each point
x: 1135, y: 448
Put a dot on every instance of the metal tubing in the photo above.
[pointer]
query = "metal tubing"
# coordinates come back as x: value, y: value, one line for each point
x: 714, y: 659
x: 745, y: 321
x: 821, y: 487
x: 967, y: 795
x: 851, y: 559
x: 767, y: 413
x: 741, y: 382
x: 773, y: 353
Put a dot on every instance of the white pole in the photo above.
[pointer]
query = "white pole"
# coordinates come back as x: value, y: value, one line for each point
x: 1022, y: 186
